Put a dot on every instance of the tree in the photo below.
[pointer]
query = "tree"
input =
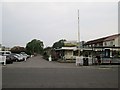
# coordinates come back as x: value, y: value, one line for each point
x: 35, y: 46
x: 17, y: 49
x: 59, y: 44
x: 47, y: 52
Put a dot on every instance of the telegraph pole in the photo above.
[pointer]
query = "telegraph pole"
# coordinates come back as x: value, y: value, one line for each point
x: 78, y: 35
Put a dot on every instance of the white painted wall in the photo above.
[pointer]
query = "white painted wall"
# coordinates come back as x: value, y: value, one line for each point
x: 108, y: 43
x: 68, y: 54
x: 116, y: 42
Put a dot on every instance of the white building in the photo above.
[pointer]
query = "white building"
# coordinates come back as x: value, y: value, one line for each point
x: 109, y: 45
x: 68, y: 50
x: 113, y: 40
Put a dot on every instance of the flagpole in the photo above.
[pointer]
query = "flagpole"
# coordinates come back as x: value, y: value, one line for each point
x: 78, y: 35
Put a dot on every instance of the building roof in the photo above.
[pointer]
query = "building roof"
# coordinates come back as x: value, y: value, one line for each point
x: 100, y: 40
x: 95, y: 41
x: 111, y: 37
x: 67, y: 48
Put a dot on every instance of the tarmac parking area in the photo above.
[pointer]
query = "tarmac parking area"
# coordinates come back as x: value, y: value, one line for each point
x: 39, y: 73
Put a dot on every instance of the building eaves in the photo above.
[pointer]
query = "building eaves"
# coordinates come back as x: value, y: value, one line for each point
x: 100, y: 40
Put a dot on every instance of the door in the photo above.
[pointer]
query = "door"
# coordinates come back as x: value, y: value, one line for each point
x: 107, y: 53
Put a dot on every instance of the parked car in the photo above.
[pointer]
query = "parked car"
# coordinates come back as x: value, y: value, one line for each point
x: 12, y: 57
x: 25, y: 55
x: 6, y: 53
x: 19, y: 57
x: 8, y: 60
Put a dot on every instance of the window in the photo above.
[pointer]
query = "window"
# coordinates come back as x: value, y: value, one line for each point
x: 111, y: 43
x: 105, y: 44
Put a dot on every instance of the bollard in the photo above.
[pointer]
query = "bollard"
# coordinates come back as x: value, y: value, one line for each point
x: 110, y: 61
x: 25, y: 59
x: 4, y: 60
x: 50, y: 59
x: 77, y: 61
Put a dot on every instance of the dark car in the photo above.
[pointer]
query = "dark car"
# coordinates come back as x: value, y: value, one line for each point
x: 8, y: 60
x: 12, y: 57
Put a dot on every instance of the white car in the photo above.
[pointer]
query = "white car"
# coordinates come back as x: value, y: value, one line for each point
x: 19, y: 57
x: 24, y: 56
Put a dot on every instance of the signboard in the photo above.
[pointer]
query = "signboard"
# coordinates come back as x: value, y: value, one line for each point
x: 69, y: 44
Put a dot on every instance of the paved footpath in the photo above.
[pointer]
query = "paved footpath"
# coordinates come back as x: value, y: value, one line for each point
x: 39, y: 73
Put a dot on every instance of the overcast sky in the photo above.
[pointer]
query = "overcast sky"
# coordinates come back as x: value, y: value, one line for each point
x: 50, y: 22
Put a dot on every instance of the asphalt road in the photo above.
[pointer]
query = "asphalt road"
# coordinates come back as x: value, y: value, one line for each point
x: 39, y: 73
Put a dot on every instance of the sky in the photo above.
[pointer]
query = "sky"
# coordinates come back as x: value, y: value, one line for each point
x: 52, y: 21
x: 0, y: 23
